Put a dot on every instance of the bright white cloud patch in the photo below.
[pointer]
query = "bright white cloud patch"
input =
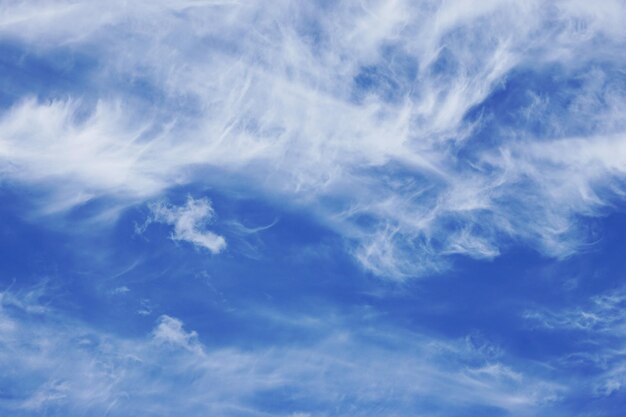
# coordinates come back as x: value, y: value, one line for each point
x: 188, y: 222
x: 358, y: 112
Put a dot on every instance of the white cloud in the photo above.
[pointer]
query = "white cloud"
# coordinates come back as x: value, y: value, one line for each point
x: 601, y: 321
x: 67, y: 367
x: 278, y: 108
x: 120, y: 290
x: 170, y: 330
x: 603, y: 313
x: 188, y: 221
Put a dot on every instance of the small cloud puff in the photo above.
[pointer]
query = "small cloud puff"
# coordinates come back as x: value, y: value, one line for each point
x: 169, y: 330
x: 120, y: 290
x: 187, y: 221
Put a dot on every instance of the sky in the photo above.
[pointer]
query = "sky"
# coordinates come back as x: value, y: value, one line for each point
x: 312, y: 208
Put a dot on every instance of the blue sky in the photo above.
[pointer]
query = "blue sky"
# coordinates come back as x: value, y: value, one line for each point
x: 303, y: 209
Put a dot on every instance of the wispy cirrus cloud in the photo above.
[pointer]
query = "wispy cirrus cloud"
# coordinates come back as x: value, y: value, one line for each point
x: 374, y: 117
x: 66, y: 366
x: 599, y: 348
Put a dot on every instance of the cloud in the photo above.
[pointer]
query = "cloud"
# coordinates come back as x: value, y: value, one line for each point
x: 380, y: 119
x: 599, y: 347
x: 188, y: 221
x: 170, y: 330
x: 604, y: 313
x: 66, y: 367
x: 120, y: 290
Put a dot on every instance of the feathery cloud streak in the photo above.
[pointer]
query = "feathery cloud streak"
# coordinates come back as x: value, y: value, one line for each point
x: 65, y: 367
x: 375, y: 116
